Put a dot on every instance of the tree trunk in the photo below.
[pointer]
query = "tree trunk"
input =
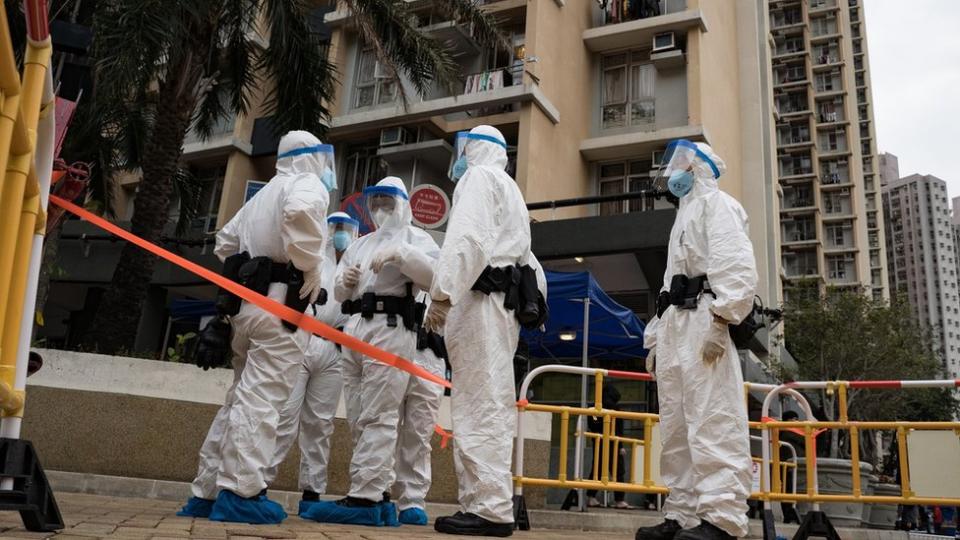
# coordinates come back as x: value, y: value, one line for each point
x: 114, y: 327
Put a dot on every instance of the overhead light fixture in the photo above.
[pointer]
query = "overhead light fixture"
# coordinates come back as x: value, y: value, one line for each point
x: 578, y: 259
x: 567, y: 335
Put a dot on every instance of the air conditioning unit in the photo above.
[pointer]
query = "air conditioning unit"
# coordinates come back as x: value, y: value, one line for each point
x: 665, y: 41
x: 394, y: 136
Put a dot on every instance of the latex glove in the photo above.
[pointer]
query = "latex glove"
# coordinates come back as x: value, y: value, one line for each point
x: 436, y: 316
x: 311, y: 285
x: 715, y: 342
x: 651, y: 362
x: 351, y: 276
x: 385, y: 257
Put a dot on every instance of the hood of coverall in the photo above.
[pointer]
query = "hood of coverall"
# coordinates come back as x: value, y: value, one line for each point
x: 312, y: 162
x: 704, y: 181
x: 480, y: 153
x: 402, y: 216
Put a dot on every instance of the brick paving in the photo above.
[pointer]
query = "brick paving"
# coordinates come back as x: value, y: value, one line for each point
x: 95, y: 516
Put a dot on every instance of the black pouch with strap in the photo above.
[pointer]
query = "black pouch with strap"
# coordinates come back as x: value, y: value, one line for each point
x: 521, y: 294
x: 227, y: 303
x: 370, y: 303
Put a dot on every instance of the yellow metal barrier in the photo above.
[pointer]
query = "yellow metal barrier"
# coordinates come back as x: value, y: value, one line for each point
x: 21, y: 207
x: 602, y: 470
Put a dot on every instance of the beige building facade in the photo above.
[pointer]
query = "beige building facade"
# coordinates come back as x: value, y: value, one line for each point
x: 588, y: 96
x: 831, y: 213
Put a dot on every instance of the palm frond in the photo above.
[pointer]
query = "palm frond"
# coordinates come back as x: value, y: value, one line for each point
x: 296, y: 60
x: 387, y: 26
x: 484, y: 25
x: 188, y: 191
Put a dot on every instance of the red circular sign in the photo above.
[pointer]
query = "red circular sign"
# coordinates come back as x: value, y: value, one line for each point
x: 429, y: 205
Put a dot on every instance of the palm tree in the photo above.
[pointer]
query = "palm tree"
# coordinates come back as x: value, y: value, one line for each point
x: 166, y: 66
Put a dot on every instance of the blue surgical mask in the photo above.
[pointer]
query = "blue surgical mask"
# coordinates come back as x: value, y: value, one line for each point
x: 341, y: 240
x: 459, y: 168
x: 329, y: 179
x: 680, y: 183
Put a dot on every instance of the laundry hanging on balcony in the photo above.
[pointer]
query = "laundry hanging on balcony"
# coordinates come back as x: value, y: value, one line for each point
x: 617, y: 11
x: 481, y: 82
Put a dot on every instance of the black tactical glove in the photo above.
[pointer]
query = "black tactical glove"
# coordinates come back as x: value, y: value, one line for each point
x: 213, y: 345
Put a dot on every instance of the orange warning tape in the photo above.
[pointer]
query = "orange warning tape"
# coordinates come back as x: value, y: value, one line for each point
x: 444, y: 435
x: 305, y: 322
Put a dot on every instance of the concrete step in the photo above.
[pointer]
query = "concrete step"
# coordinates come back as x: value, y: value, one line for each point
x: 596, y: 520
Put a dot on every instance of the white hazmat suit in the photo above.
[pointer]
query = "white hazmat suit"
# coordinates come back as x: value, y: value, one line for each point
x: 309, y: 414
x: 705, y: 459
x: 285, y: 221
x: 373, y: 390
x: 418, y: 419
x: 489, y: 226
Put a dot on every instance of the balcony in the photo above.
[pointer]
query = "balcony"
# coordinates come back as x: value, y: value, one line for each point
x: 794, y: 139
x: 828, y: 60
x: 798, y: 265
x: 792, y: 237
x: 343, y: 16
x: 823, y: 6
x: 846, y: 276
x: 640, y: 143
x: 786, y: 19
x: 834, y: 180
x: 220, y: 142
x: 647, y: 10
x: 823, y: 29
x: 830, y: 118
x: 789, y: 48
x: 396, y: 114
x: 640, y: 32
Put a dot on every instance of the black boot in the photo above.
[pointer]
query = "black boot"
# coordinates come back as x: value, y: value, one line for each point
x: 467, y: 524
x: 705, y: 531
x: 664, y: 531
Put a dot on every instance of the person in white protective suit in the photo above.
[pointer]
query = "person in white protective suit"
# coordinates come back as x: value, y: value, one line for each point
x: 418, y: 419
x: 489, y: 227
x: 313, y: 402
x: 712, y: 274
x: 283, y: 229
x: 377, y: 281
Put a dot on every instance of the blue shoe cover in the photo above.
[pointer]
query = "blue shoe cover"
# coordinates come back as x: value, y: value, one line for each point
x: 388, y: 513
x: 331, y: 512
x: 414, y: 516
x: 304, y: 505
x: 196, y: 508
x: 258, y: 510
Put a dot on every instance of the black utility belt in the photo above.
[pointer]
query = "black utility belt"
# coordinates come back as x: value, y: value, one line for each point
x: 684, y: 293
x: 257, y: 273
x: 370, y: 304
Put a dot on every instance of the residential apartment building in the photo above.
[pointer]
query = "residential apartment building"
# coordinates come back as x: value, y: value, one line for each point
x: 587, y: 98
x: 922, y: 258
x: 830, y: 217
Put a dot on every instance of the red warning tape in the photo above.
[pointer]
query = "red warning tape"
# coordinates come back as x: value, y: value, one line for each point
x: 306, y: 322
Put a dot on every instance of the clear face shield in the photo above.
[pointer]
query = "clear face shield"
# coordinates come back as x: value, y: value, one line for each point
x: 458, y: 165
x: 677, y: 170
x: 383, y: 204
x: 343, y: 230
x: 318, y: 159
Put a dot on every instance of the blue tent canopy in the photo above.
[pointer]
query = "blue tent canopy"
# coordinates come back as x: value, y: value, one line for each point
x: 614, y: 333
x: 186, y: 308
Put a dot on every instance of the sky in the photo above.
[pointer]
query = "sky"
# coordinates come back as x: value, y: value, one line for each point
x: 914, y: 51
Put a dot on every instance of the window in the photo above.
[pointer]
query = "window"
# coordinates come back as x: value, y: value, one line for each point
x: 623, y: 177
x: 361, y: 166
x: 210, y: 185
x: 374, y: 83
x: 629, y: 82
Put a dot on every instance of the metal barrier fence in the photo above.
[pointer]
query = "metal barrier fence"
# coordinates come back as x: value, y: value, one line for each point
x: 27, y: 133
x: 771, y: 485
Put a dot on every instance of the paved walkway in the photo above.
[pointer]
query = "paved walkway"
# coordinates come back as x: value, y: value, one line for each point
x: 95, y: 516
